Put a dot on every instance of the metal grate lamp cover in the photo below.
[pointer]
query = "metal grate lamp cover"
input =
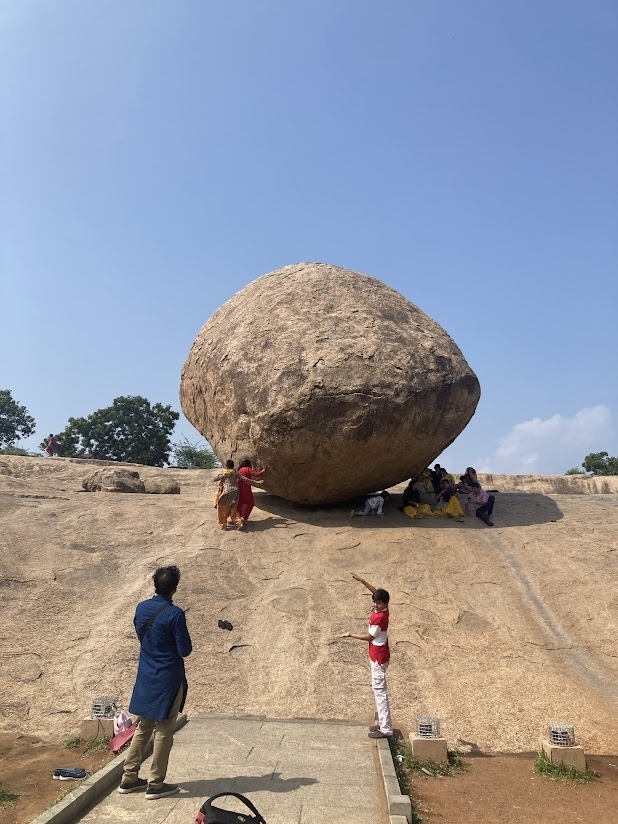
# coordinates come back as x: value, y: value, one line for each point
x: 104, y: 707
x: 428, y: 726
x: 561, y: 735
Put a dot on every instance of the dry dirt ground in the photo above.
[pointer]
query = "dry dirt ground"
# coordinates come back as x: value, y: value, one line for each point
x: 496, y: 631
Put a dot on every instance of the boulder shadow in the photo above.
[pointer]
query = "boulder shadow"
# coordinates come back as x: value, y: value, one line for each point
x: 511, y: 509
x: 264, y: 524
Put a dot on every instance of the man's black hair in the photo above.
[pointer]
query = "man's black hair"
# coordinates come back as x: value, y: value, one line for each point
x: 474, y: 484
x: 244, y: 463
x: 381, y: 595
x: 229, y: 464
x: 166, y: 580
x: 385, y: 493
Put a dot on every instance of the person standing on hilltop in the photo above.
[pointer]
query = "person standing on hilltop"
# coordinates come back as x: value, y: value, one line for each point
x: 160, y: 687
x: 51, y: 447
x: 379, y: 656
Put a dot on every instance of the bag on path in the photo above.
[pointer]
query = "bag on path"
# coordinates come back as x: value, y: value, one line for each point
x: 124, y: 730
x: 209, y: 814
x: 121, y: 738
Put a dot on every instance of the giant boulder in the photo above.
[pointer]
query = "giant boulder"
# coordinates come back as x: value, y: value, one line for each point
x: 332, y: 379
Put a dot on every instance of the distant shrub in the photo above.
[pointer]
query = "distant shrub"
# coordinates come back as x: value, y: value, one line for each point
x: 189, y: 455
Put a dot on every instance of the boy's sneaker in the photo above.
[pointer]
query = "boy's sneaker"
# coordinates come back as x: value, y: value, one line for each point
x: 133, y: 787
x: 377, y: 734
x: 161, y: 792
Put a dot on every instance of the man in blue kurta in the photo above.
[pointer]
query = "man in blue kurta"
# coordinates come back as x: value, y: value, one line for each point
x: 160, y: 687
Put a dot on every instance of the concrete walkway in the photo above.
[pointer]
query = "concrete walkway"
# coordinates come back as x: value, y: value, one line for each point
x: 295, y: 772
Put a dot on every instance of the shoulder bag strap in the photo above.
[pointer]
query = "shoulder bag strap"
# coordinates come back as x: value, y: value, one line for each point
x: 240, y: 797
x: 142, y: 635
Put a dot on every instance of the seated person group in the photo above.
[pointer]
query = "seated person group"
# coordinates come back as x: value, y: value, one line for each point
x: 435, y: 492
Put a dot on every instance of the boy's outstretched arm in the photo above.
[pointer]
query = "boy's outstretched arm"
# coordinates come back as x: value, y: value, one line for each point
x: 362, y: 581
x: 364, y: 637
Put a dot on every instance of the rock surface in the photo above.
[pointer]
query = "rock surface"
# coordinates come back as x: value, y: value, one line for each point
x: 333, y: 380
x: 161, y: 486
x: 113, y: 480
x: 498, y: 630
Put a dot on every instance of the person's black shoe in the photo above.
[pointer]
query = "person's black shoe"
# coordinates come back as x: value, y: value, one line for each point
x: 134, y: 787
x: 489, y: 523
x: 161, y: 792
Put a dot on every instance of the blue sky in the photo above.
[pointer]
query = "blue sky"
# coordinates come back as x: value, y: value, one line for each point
x: 158, y: 156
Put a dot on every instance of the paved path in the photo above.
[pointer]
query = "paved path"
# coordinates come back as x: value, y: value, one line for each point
x: 295, y: 772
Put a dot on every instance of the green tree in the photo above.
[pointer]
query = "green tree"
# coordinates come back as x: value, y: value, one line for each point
x: 575, y: 471
x: 189, y: 455
x: 15, y: 422
x: 129, y: 430
x: 599, y: 463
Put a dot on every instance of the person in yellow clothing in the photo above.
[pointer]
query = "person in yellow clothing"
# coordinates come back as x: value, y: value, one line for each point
x: 418, y: 511
x: 447, y: 496
x: 226, y: 498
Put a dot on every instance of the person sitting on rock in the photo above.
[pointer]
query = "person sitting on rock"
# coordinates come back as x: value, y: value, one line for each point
x: 470, y: 475
x: 373, y: 504
x: 425, y: 480
x: 463, y: 489
x: 447, y: 502
x: 436, y: 477
x: 444, y: 474
x: 410, y: 496
x: 463, y: 486
x: 481, y: 503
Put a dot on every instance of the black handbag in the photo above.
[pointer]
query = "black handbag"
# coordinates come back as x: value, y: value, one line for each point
x: 209, y: 814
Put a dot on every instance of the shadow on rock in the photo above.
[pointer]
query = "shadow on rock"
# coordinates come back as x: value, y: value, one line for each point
x: 245, y: 784
x: 511, y: 509
x: 266, y: 523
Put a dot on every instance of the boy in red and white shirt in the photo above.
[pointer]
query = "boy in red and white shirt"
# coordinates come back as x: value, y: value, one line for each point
x: 379, y: 656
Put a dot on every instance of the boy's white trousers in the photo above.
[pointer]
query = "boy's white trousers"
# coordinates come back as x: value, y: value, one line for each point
x: 380, y: 693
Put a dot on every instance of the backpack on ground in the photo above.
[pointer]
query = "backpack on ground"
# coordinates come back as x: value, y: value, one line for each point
x: 209, y: 814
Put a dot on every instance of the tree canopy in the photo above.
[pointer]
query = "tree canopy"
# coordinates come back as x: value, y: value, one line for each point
x: 15, y: 422
x: 596, y: 463
x: 599, y: 463
x: 130, y: 430
x: 189, y: 455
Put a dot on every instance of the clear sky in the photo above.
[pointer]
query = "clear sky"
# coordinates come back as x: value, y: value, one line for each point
x: 158, y: 156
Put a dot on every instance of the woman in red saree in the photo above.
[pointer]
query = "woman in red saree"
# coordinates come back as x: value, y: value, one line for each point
x: 245, y: 500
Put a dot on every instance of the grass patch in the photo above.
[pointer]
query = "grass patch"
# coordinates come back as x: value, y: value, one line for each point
x: 561, y: 772
x: 402, y: 777
x: 453, y: 766
x: 8, y: 799
x: 100, y: 745
x: 72, y: 743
